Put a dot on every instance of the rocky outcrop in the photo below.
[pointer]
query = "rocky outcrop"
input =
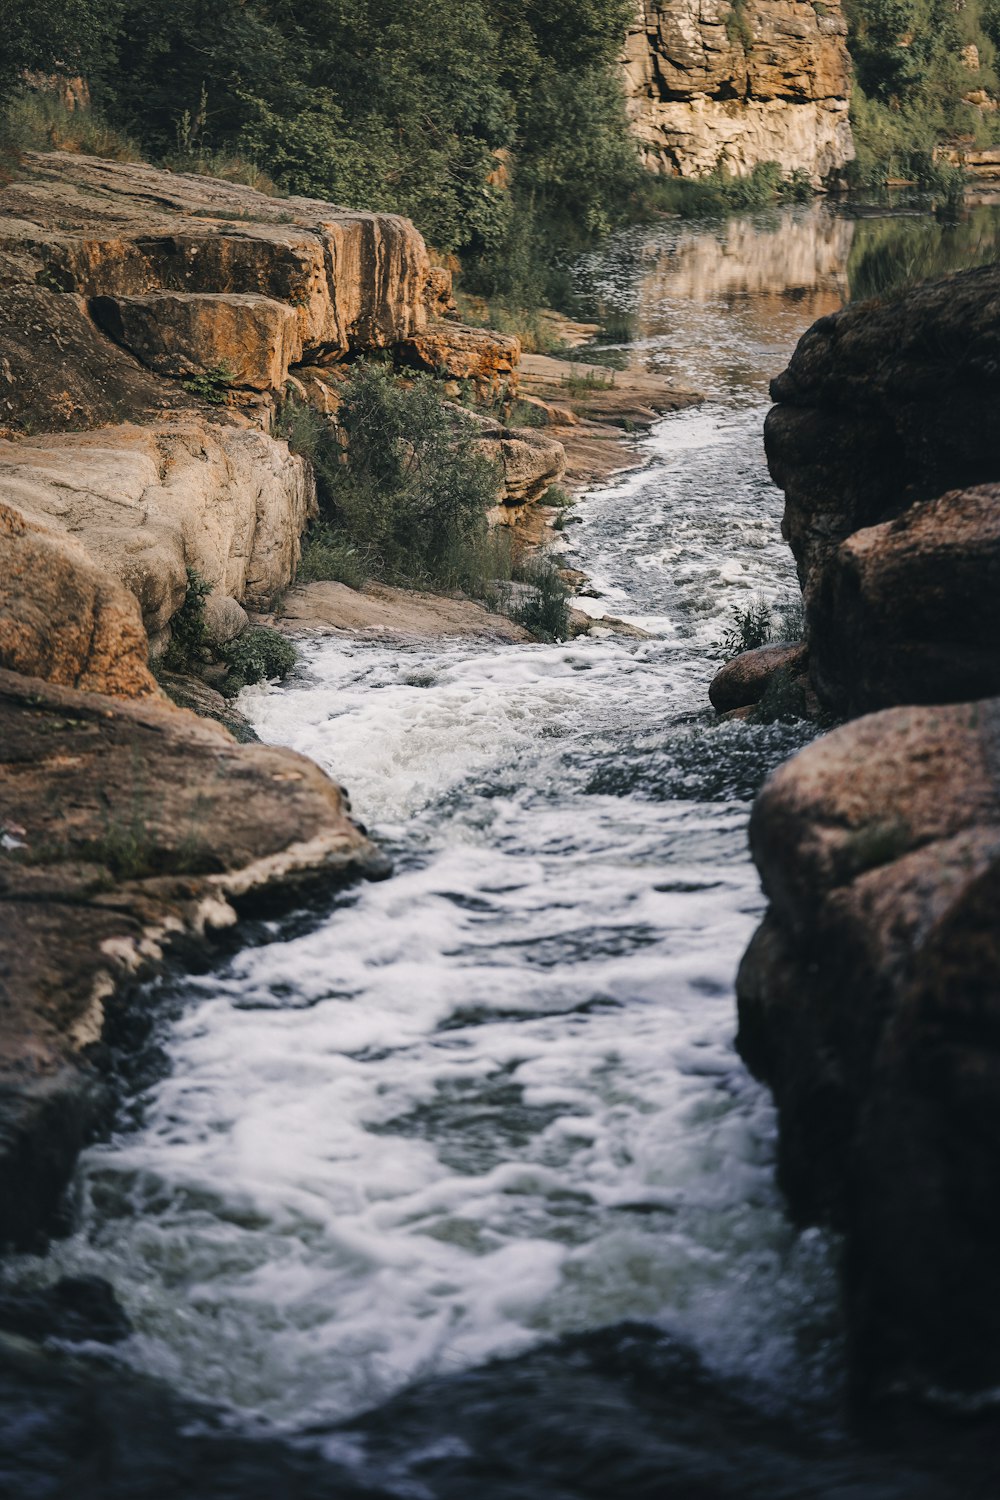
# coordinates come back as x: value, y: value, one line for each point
x: 736, y: 84
x: 870, y: 1002
x: 126, y: 826
x: 120, y: 230
x: 150, y: 503
x: 238, y: 339
x: 870, y: 996
x: 909, y: 611
x: 886, y: 406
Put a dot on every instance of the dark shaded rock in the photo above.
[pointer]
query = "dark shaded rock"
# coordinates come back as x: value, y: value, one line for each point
x: 75, y: 1309
x: 870, y: 1002
x: 126, y: 826
x: 58, y: 373
x: 203, y: 699
x: 624, y: 1411
x: 742, y: 681
x: 884, y: 404
x: 909, y: 611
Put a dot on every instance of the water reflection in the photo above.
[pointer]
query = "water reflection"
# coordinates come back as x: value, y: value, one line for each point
x: 768, y: 275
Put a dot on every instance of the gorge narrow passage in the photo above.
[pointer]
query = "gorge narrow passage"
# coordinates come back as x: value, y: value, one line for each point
x: 496, y: 1098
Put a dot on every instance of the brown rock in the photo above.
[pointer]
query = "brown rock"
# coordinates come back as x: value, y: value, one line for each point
x: 488, y: 359
x: 148, y: 503
x: 126, y: 826
x: 63, y: 619
x: 884, y: 404
x: 909, y: 611
x: 870, y: 1002
x: 743, y: 680
x: 239, y: 339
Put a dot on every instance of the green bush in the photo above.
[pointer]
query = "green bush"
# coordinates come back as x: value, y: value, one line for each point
x: 210, y: 385
x: 413, y: 494
x: 328, y: 555
x: 541, y: 606
x: 759, y: 623
x: 258, y: 655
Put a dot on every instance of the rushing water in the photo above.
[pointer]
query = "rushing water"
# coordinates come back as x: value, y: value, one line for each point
x: 496, y: 1098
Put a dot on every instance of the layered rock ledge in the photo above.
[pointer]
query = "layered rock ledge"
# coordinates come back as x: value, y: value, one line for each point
x: 127, y: 827
x: 734, y: 85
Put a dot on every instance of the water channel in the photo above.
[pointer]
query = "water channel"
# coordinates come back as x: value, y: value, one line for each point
x: 496, y: 1099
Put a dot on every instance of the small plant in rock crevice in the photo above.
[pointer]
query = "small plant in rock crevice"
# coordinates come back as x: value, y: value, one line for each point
x: 187, y: 626
x: 760, y: 623
x: 211, y: 385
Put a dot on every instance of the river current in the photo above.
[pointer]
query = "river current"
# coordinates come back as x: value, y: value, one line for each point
x: 496, y: 1098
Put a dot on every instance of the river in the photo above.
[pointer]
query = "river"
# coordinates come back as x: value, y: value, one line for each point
x: 496, y: 1099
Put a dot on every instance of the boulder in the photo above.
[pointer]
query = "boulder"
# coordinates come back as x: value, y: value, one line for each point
x: 870, y: 1002
x: 62, y: 618
x: 127, y: 825
x: 149, y: 503
x: 225, y: 619
x: 233, y: 339
x: 885, y: 404
x: 488, y: 359
x: 909, y: 611
x: 743, y: 680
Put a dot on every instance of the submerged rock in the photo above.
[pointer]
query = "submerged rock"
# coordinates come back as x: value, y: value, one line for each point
x: 621, y: 1411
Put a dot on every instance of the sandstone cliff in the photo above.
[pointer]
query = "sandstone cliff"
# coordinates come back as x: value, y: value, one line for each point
x: 736, y: 84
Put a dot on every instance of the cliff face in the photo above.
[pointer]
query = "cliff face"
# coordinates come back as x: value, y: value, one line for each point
x: 767, y: 80
x: 870, y: 997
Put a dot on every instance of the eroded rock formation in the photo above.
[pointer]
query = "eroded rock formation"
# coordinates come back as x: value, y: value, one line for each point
x: 870, y: 997
x: 737, y: 84
x: 870, y: 1002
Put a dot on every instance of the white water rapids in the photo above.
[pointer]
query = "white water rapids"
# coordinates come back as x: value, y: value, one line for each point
x: 496, y: 1097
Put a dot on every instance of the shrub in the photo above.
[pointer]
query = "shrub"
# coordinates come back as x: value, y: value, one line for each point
x: 759, y: 623
x: 187, y: 626
x: 751, y: 628
x: 413, y: 494
x: 210, y: 385
x: 541, y: 606
x: 35, y: 121
x: 258, y: 655
x: 326, y: 554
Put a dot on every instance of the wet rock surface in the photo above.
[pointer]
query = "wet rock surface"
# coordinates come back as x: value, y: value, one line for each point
x: 743, y: 681
x: 128, y: 826
x: 621, y: 1410
x: 870, y: 1002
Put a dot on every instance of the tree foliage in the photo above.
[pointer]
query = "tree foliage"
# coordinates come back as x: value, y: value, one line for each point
x: 460, y: 116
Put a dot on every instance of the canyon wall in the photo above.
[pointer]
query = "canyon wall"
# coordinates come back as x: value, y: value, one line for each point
x: 717, y: 84
x: 870, y: 996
